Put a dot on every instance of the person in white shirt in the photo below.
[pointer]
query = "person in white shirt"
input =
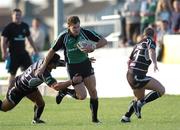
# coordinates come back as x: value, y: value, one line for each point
x: 38, y: 37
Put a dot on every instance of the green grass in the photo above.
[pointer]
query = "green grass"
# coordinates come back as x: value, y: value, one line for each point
x: 3, y: 78
x: 162, y: 114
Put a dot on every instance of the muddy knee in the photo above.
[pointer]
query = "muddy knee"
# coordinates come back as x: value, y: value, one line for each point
x: 82, y: 96
x: 162, y: 91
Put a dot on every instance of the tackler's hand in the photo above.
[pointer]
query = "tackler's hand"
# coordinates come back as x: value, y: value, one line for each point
x: 156, y: 68
x: 92, y: 59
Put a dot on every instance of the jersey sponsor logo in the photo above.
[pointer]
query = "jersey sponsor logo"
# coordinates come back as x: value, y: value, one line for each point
x: 19, y: 38
x: 73, y: 49
x: 69, y: 40
x: 24, y: 30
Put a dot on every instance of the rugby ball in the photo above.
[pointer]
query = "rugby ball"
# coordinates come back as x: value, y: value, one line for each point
x: 86, y: 43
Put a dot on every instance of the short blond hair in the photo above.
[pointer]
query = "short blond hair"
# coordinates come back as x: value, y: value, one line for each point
x: 73, y: 20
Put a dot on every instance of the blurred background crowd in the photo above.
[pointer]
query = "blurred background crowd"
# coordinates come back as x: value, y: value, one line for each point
x: 120, y: 21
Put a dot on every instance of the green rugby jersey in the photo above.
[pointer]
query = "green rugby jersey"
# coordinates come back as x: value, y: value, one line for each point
x: 68, y: 43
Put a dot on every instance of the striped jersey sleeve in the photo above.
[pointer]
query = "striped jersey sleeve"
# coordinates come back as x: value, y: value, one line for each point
x: 59, y: 42
x: 47, y: 78
x: 151, y: 43
x: 91, y: 35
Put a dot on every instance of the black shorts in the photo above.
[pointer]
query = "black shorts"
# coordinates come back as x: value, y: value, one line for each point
x: 137, y: 81
x: 23, y: 60
x: 15, y: 94
x: 84, y: 69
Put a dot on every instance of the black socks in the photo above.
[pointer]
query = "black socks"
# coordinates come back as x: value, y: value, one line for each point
x: 130, y: 110
x: 37, y: 112
x: 94, y: 109
x: 153, y: 95
x: 0, y: 104
x: 72, y: 93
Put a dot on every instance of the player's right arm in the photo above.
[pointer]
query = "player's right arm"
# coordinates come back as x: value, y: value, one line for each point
x: 6, y: 33
x: 4, y: 46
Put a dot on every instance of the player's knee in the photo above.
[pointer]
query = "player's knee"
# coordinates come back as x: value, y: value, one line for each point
x: 162, y: 91
x: 82, y: 96
x: 4, y: 110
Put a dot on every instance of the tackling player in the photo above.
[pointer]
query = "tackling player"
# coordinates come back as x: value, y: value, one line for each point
x: 140, y: 59
x: 26, y: 85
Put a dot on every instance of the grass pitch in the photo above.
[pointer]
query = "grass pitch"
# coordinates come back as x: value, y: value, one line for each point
x: 71, y: 114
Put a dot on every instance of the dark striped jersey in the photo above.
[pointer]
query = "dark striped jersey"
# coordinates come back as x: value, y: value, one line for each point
x: 16, y: 33
x: 68, y: 43
x: 27, y: 80
x: 139, y: 58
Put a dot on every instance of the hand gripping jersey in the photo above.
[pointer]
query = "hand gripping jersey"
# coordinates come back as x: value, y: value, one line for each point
x: 28, y: 80
x: 139, y: 58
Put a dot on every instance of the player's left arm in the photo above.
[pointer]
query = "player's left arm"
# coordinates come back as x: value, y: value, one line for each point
x: 101, y: 43
x: 52, y: 82
x: 153, y: 58
x: 60, y: 85
x: 98, y: 39
x: 47, y: 78
x: 152, y: 54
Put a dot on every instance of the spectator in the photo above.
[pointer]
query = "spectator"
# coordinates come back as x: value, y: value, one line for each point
x: 13, y: 38
x: 122, y: 37
x: 148, y: 9
x: 132, y: 14
x: 38, y: 37
x: 175, y: 16
x: 177, y: 26
x: 163, y: 11
x: 163, y: 30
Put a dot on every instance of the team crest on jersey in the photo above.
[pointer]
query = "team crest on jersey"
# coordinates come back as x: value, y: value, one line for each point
x: 24, y: 30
